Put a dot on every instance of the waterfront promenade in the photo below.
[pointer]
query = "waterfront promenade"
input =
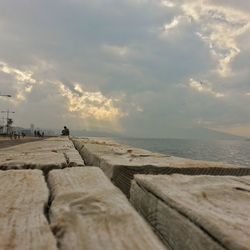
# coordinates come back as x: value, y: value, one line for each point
x: 7, y: 142
x: 92, y: 193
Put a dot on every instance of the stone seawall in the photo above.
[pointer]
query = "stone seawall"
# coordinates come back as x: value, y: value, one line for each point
x: 62, y: 193
x: 120, y: 162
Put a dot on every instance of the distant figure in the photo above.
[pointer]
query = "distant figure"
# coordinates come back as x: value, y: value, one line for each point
x: 35, y: 133
x: 38, y: 133
x: 11, y: 135
x: 65, y: 131
x: 43, y: 134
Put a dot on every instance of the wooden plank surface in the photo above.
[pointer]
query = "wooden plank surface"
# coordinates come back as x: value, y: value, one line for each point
x: 196, y: 212
x: 53, y: 153
x: 120, y: 162
x: 23, y: 225
x: 89, y: 212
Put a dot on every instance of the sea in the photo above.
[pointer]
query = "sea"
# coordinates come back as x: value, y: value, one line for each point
x: 228, y: 151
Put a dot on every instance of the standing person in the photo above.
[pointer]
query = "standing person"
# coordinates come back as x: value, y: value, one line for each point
x: 35, y: 133
x: 65, y: 131
x: 38, y: 133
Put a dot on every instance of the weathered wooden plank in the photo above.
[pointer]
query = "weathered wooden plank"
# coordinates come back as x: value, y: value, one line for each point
x: 54, y: 153
x: 196, y: 212
x: 89, y: 212
x: 120, y: 162
x: 23, y: 225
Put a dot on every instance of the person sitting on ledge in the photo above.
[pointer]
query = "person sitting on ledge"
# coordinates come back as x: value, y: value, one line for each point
x: 65, y: 131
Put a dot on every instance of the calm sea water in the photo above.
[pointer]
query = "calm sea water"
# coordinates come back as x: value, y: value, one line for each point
x: 236, y: 152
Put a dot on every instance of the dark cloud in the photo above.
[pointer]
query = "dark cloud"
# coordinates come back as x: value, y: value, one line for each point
x: 137, y: 57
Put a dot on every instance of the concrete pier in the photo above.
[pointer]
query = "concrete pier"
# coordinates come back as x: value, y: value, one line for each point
x: 89, y: 212
x: 62, y: 193
x: 23, y: 225
x: 195, y: 212
x: 120, y: 162
x: 53, y: 153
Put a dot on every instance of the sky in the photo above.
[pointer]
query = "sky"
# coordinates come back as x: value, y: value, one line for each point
x: 143, y: 68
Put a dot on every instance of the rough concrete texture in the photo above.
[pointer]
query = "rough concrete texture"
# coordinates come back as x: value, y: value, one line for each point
x: 121, y: 162
x: 23, y: 225
x: 89, y: 212
x: 56, y: 152
x: 196, y: 212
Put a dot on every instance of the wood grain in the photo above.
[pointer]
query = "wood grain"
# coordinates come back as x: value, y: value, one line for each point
x: 89, y: 212
x: 196, y: 212
x: 23, y: 225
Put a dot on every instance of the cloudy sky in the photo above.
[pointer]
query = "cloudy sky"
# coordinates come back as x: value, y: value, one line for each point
x: 146, y: 68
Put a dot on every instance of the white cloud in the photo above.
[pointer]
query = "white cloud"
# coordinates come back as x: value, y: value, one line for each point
x: 118, y: 51
x: 177, y: 21
x: 139, y: 109
x: 92, y: 105
x: 89, y: 107
x: 21, y: 76
x: 78, y: 88
x: 203, y: 87
x: 172, y: 24
x: 24, y: 81
x: 220, y: 27
x: 168, y: 3
x: 124, y: 55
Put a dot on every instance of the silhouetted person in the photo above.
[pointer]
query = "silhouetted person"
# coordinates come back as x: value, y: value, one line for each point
x: 38, y: 133
x: 65, y: 131
x: 43, y: 134
x: 35, y: 133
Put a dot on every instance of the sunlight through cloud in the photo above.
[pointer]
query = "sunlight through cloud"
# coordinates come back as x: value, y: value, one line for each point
x: 24, y: 81
x: 168, y: 3
x: 90, y: 104
x: 220, y: 28
x: 203, y: 87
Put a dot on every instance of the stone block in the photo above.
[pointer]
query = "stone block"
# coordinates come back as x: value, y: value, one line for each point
x: 120, y: 162
x: 23, y: 225
x: 195, y: 212
x: 89, y: 212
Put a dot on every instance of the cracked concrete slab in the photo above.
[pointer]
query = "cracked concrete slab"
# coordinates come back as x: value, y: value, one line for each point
x: 45, y: 155
x: 23, y: 225
x: 195, y: 212
x: 89, y: 212
x: 120, y: 162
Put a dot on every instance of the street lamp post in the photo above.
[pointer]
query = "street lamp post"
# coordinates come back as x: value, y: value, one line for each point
x: 7, y: 118
x: 7, y: 112
x: 2, y: 125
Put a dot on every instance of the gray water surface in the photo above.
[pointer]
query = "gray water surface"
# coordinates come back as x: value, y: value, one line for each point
x: 235, y: 152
